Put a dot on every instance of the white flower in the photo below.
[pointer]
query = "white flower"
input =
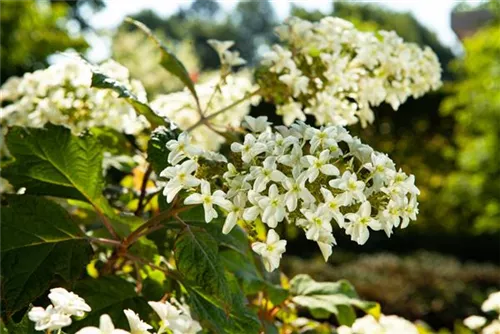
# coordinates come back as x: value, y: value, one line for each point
x: 391, y: 216
x: 263, y: 175
x: 105, y: 327
x: 361, y: 151
x: 325, y: 243
x: 296, y: 190
x: 181, y: 148
x: 256, y: 125
x: 235, y: 213
x: 319, y: 164
x: 137, y: 326
x: 68, y: 302
x: 333, y: 204
x: 324, y: 138
x: 208, y: 200
x: 168, y: 313
x: 384, y: 325
x: 251, y: 213
x: 382, y: 168
x: 294, y: 158
x: 318, y: 223
x: 273, y: 206
x: 249, y: 149
x: 271, y: 251
x: 358, y: 224
x: 493, y: 328
x: 185, y: 324
x: 175, y: 317
x: 280, y: 58
x: 220, y: 46
x: 280, y: 144
x: 232, y: 58
x: 296, y: 81
x: 410, y: 210
x: 180, y: 177
x: 270, y: 183
x: 474, y: 322
x: 49, y: 318
x: 350, y: 184
x: 492, y: 303
x: 358, y: 70
x: 290, y: 112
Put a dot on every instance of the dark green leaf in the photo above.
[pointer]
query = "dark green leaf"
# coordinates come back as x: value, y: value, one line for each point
x: 197, y: 258
x: 168, y: 60
x: 238, y: 319
x: 157, y: 148
x: 323, y: 298
x: 252, y: 281
x: 51, y: 161
x: 100, y: 80
x: 110, y: 295
x: 25, y: 326
x: 113, y: 141
x: 39, y: 243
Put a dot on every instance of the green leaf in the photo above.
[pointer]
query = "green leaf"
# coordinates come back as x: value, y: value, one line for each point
x: 168, y: 60
x: 196, y: 255
x: 240, y: 319
x: 157, y: 148
x: 51, y: 161
x: 110, y: 295
x: 25, y: 326
x: 252, y: 281
x: 325, y: 298
x: 40, y: 244
x: 100, y: 80
x: 113, y: 141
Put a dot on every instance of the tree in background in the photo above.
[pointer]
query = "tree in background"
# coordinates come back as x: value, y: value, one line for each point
x: 141, y: 57
x: 250, y: 25
x: 32, y: 31
x: 473, y: 188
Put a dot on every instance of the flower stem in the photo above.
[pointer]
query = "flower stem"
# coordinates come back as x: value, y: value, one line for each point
x: 203, y: 120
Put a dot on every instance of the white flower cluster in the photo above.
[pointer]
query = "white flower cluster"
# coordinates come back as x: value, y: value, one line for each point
x: 181, y: 107
x: 174, y: 317
x: 64, y: 305
x: 385, y: 324
x: 337, y: 73
x: 475, y: 322
x: 61, y: 94
x: 300, y: 174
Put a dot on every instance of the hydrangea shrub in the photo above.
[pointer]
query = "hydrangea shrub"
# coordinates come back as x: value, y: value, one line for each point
x: 190, y: 236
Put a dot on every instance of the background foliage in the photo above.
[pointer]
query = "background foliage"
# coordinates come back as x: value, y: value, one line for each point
x: 448, y: 139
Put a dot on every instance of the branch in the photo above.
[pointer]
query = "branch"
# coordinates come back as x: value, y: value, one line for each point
x: 105, y: 241
x: 145, y: 179
x: 223, y: 110
x: 136, y: 234
x: 107, y: 224
x: 168, y: 272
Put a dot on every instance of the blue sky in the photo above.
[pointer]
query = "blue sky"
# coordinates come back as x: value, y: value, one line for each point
x: 435, y: 14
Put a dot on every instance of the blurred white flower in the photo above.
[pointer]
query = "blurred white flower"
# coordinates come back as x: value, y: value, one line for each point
x: 137, y: 326
x: 68, y: 302
x: 48, y: 319
x: 474, y: 322
x: 105, y: 327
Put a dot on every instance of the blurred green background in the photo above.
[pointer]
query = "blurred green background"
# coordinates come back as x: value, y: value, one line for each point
x: 441, y: 267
